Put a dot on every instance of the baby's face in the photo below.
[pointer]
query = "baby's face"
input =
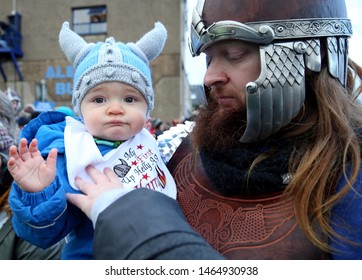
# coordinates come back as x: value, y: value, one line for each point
x: 114, y: 111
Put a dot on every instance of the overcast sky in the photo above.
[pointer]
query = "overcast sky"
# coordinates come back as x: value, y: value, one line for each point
x: 195, y: 67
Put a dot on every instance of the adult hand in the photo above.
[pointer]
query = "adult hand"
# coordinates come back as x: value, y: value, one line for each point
x: 103, y: 182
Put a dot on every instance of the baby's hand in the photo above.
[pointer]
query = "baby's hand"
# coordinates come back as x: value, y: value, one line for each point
x: 29, y: 169
x: 102, y: 182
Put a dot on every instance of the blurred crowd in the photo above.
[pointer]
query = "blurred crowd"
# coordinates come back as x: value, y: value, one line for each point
x: 13, y: 117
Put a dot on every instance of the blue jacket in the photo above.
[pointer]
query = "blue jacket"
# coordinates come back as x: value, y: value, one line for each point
x: 45, y: 217
x: 346, y: 220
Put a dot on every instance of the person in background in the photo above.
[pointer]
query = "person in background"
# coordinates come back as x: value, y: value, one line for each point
x: 8, y: 125
x: 30, y: 111
x: 22, y: 121
x: 157, y: 127
x: 271, y: 168
x: 13, y: 247
x: 26, y: 115
x: 113, y: 97
x: 15, y: 100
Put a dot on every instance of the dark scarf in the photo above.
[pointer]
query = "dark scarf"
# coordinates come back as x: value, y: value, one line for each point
x: 229, y: 169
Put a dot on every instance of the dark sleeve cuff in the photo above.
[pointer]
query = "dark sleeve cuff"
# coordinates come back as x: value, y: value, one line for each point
x: 133, y: 220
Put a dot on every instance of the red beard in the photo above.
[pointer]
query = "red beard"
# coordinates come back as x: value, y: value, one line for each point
x: 217, y: 129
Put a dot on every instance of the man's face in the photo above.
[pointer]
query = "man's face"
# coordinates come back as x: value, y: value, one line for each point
x: 231, y: 65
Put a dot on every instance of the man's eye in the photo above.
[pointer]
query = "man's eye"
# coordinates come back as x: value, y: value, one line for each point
x: 235, y: 57
x: 208, y: 61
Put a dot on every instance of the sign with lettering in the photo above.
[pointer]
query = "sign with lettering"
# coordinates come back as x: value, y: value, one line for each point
x: 42, y: 106
x: 59, y: 73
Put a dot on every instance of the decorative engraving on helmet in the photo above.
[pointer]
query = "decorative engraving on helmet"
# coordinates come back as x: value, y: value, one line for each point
x: 332, y: 47
x: 283, y: 65
x: 337, y: 58
x: 302, y: 28
x: 312, y: 58
x: 202, y: 37
x: 251, y: 87
x: 300, y: 47
x: 343, y: 60
x: 278, y: 93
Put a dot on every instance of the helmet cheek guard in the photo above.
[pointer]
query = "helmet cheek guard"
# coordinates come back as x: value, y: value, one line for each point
x: 278, y: 93
x: 287, y: 48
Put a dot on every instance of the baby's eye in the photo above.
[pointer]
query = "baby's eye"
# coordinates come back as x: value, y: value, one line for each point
x: 130, y: 99
x: 99, y: 100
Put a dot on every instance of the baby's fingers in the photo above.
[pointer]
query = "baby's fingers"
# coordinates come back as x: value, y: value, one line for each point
x: 23, y: 149
x: 13, y: 152
x: 12, y: 167
x: 33, y: 148
x: 13, y: 157
x: 52, y: 158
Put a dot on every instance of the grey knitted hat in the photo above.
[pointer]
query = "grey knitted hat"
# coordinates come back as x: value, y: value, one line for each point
x: 110, y: 61
x: 8, y: 127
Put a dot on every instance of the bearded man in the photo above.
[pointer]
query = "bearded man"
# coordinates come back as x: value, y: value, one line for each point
x: 271, y: 167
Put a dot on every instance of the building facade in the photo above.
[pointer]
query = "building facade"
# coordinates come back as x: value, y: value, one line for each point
x: 42, y: 74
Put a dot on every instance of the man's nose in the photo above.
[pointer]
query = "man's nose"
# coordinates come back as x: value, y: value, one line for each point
x: 216, y: 73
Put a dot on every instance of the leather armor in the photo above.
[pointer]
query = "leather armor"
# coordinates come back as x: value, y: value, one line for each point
x: 239, y: 227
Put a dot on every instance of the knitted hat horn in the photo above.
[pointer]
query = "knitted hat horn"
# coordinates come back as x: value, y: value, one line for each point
x: 110, y: 61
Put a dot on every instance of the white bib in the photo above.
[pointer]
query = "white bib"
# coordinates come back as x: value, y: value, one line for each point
x: 137, y: 161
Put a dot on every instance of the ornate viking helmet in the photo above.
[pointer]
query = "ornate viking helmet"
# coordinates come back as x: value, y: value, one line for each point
x: 291, y: 35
